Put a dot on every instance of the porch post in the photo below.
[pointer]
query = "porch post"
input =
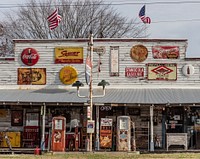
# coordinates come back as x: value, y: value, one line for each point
x: 43, y: 108
x: 97, y: 127
x: 151, y: 125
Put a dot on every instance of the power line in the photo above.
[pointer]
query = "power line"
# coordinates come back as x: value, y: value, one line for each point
x: 112, y: 3
x: 125, y: 3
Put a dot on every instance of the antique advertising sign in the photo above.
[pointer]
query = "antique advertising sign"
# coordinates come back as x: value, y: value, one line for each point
x: 68, y: 75
x: 69, y: 55
x: 139, y: 53
x: 90, y: 126
x: 165, y: 52
x: 106, y: 133
x: 134, y: 72
x: 167, y: 71
x: 31, y: 76
x: 114, y: 61
x: 29, y: 56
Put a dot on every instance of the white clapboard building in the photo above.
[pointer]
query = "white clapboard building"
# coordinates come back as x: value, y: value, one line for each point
x: 151, y: 81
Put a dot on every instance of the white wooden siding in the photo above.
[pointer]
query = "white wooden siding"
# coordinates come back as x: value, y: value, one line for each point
x: 8, y: 70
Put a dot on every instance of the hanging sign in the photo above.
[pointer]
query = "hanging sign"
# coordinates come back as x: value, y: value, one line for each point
x: 165, y: 52
x: 29, y: 56
x: 167, y: 71
x: 90, y: 126
x: 68, y: 75
x: 69, y: 55
x: 88, y: 112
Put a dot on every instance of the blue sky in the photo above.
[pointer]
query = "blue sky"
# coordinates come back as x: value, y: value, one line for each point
x: 171, y: 19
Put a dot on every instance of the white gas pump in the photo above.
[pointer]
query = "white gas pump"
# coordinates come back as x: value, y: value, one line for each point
x: 123, y: 133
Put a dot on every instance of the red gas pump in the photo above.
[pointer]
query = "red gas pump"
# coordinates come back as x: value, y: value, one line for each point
x: 58, y: 133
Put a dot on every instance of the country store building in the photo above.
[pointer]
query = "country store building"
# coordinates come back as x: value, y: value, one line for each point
x: 151, y: 81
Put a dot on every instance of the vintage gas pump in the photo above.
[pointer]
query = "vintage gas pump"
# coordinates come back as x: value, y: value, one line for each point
x: 123, y: 133
x: 58, y: 133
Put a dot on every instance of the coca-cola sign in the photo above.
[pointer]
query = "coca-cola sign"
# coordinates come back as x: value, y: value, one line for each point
x: 29, y: 56
x: 165, y: 52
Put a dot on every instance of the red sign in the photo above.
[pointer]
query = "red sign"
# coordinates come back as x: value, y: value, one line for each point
x: 165, y: 52
x: 29, y: 56
x: 134, y: 72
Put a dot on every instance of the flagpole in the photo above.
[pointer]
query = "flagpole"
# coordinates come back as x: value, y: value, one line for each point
x: 90, y: 86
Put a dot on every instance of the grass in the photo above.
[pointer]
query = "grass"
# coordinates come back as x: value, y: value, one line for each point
x: 105, y: 156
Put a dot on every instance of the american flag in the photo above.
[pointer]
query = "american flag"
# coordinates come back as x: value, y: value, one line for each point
x: 142, y: 16
x: 54, y: 19
x: 88, y: 67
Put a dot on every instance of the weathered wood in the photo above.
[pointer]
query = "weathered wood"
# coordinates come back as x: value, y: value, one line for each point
x: 177, y: 139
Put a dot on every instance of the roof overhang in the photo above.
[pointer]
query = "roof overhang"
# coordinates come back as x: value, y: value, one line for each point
x: 120, y: 96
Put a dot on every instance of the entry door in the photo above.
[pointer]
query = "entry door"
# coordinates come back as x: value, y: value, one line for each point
x: 174, y: 120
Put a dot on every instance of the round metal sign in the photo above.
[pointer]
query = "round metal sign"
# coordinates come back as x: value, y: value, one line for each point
x: 139, y: 53
x: 188, y: 70
x: 29, y: 56
x: 68, y: 75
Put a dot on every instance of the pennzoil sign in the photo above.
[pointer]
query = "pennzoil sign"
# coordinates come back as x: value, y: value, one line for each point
x: 69, y: 55
x: 167, y: 71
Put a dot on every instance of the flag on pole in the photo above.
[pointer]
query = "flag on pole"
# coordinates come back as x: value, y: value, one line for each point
x: 54, y: 19
x: 143, y: 17
x: 88, y: 67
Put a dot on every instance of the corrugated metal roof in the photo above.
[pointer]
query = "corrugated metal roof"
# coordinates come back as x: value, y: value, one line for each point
x: 140, y: 96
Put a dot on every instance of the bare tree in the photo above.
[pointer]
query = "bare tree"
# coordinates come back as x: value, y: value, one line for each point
x: 78, y: 19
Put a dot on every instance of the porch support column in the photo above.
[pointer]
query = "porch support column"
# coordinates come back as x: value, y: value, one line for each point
x: 43, y: 113
x: 151, y: 128
x: 97, y: 128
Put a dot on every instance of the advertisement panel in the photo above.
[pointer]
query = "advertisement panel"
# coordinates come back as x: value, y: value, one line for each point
x: 68, y: 55
x: 165, y: 52
x: 134, y: 72
x: 106, y: 133
x: 31, y: 76
x: 167, y: 71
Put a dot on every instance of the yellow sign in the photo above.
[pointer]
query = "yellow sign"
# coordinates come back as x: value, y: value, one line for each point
x: 167, y: 71
x: 69, y: 55
x: 68, y: 75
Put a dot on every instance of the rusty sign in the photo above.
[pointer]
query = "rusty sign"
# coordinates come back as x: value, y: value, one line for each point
x: 31, y: 76
x: 165, y: 52
x: 166, y: 71
x: 139, y: 53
